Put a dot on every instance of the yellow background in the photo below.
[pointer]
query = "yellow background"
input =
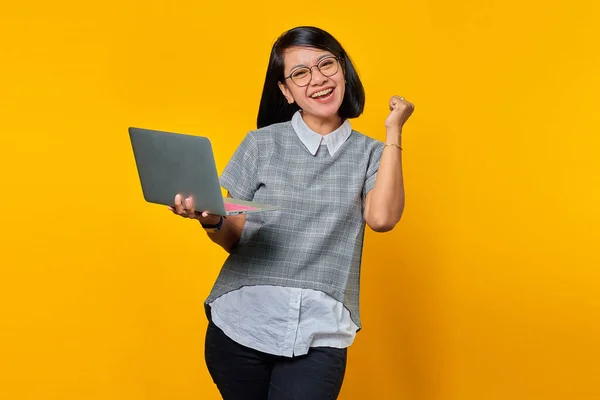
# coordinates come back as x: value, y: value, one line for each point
x: 487, y: 289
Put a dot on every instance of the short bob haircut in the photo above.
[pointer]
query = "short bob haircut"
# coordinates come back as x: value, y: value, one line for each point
x: 273, y: 106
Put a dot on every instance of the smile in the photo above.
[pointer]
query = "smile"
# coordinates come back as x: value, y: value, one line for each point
x: 323, y: 94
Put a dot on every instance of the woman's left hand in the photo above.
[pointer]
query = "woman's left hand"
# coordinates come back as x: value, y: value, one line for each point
x: 400, y: 111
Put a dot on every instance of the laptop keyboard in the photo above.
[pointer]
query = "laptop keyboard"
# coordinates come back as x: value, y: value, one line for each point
x: 238, y: 207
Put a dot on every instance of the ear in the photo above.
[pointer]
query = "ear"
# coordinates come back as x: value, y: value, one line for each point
x: 286, y: 92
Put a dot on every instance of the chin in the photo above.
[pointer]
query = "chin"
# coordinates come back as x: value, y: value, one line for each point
x: 326, y: 114
x: 324, y: 111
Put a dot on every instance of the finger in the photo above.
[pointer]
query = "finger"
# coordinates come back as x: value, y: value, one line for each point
x: 189, y: 206
x: 208, y: 218
x: 184, y: 205
x: 179, y: 205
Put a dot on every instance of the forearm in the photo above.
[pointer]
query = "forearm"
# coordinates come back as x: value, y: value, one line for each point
x: 229, y: 234
x: 387, y: 197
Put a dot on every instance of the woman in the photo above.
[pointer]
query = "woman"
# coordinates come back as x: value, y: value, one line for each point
x: 284, y: 308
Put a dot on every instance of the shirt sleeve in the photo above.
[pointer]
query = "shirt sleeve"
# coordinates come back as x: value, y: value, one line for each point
x: 240, y: 176
x: 372, y: 169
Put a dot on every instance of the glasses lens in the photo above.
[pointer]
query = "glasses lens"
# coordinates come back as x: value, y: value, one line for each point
x: 328, y: 66
x: 301, y: 76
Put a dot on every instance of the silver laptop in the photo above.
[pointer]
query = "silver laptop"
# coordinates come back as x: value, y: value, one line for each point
x: 170, y: 163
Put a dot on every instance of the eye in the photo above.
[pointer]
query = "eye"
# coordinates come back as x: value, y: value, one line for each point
x: 327, y: 63
x: 300, y: 73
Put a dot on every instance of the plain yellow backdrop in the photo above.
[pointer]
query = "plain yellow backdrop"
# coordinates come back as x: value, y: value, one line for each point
x: 488, y: 289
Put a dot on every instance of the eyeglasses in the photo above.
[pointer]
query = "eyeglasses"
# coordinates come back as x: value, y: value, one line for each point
x: 302, y: 76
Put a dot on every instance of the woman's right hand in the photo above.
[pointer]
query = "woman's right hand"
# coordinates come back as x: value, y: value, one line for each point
x: 185, y: 207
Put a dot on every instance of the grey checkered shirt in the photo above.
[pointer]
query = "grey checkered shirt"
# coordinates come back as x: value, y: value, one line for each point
x: 316, y: 241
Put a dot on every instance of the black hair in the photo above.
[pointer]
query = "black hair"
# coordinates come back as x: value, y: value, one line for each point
x: 274, y: 107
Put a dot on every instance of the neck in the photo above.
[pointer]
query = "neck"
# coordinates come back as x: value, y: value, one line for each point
x: 322, y: 126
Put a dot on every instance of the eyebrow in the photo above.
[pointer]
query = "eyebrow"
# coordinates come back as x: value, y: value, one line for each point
x: 319, y: 59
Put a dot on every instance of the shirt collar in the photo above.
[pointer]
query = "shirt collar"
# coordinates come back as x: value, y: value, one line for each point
x: 312, y: 140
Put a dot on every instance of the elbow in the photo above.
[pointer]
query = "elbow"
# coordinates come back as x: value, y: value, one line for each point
x: 383, y: 218
x: 383, y: 223
x: 381, y: 227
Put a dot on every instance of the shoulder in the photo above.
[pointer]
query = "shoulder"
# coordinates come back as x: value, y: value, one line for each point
x: 269, y: 139
x: 366, y: 144
x: 264, y: 141
x: 368, y: 149
x: 273, y: 132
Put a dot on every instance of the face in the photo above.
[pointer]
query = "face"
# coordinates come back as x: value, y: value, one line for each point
x: 323, y: 95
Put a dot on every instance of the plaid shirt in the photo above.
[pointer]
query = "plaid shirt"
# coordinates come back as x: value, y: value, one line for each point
x: 316, y: 241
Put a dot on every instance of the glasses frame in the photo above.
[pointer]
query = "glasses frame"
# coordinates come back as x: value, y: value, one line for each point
x: 337, y: 59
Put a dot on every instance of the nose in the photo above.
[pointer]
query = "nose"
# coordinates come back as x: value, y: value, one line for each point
x: 316, y: 77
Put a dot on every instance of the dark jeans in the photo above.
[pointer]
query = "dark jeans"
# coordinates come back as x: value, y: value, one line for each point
x: 242, y: 373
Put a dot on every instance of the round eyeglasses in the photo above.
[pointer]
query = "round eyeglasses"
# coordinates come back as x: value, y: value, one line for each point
x: 302, y: 76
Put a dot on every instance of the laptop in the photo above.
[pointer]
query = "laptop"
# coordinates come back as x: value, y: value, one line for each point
x: 169, y: 163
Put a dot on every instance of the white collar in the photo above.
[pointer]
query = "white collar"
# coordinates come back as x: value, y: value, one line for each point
x: 312, y: 140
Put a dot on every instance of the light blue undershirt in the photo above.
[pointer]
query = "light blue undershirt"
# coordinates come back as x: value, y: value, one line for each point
x: 288, y: 321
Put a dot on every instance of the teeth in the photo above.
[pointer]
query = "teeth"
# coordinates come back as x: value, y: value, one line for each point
x: 322, y: 93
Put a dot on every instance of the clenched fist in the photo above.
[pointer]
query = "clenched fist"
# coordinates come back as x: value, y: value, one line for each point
x: 400, y: 111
